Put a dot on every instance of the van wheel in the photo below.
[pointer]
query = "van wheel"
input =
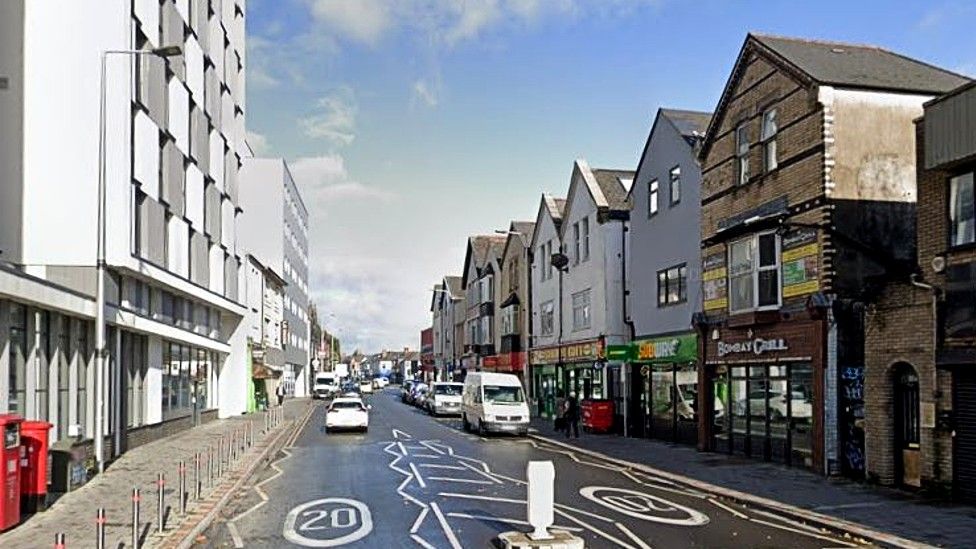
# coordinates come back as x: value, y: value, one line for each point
x: 481, y: 428
x: 465, y: 424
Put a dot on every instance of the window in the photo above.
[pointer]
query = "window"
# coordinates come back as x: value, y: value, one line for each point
x: 82, y: 356
x: 962, y: 210
x: 674, y: 178
x: 576, y: 242
x: 672, y: 285
x: 547, y: 318
x: 513, y: 281
x: 769, y: 129
x: 548, y: 259
x: 581, y: 310
x: 652, y: 198
x: 960, y: 302
x: 64, y: 374
x: 585, y: 229
x: 17, y: 380
x: 510, y: 320
x: 42, y: 329
x: 754, y: 273
x: 742, y: 153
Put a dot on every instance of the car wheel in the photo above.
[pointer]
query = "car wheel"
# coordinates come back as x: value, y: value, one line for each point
x: 326, y: 430
x: 465, y: 424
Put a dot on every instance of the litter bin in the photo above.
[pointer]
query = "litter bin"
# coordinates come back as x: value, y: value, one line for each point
x: 33, y: 466
x: 10, y: 456
x: 597, y: 415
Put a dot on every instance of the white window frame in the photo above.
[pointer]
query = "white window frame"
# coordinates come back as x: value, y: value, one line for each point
x: 582, y: 312
x: 547, y: 312
x: 585, y: 224
x: 653, y: 195
x: 742, y: 173
x: 674, y: 186
x: 576, y: 243
x: 754, y: 272
x: 770, y: 128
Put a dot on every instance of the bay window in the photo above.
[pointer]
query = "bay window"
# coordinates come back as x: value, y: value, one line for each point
x: 754, y: 273
x: 510, y: 320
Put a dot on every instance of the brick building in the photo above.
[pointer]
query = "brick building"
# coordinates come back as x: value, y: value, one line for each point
x: 808, y: 170
x: 919, y: 383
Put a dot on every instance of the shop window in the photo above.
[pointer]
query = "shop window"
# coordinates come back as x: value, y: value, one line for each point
x: 962, y: 210
x: 83, y: 357
x: 42, y: 356
x: 64, y: 373
x: 754, y: 273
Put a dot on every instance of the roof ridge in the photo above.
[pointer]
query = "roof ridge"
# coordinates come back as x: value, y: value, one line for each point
x: 820, y: 41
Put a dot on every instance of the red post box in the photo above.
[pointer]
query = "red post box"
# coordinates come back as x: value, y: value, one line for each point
x: 10, y: 456
x: 597, y: 415
x: 33, y: 465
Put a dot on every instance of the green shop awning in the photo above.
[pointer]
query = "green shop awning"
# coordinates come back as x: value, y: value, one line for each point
x: 675, y: 348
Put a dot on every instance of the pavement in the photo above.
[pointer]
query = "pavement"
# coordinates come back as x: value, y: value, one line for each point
x: 417, y: 481
x: 878, y: 508
x: 74, y: 513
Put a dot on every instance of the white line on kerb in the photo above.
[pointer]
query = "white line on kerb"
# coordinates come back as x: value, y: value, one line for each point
x: 416, y: 474
x: 445, y: 526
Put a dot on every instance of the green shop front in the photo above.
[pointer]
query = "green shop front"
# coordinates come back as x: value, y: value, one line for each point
x: 572, y: 368
x: 664, y: 388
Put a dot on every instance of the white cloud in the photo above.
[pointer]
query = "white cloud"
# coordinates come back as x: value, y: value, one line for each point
x: 324, y: 180
x: 335, y: 117
x: 362, y: 21
x: 425, y: 93
x: 259, y: 143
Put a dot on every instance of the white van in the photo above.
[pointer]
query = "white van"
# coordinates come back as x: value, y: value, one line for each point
x: 494, y: 403
x: 326, y: 385
x: 445, y: 398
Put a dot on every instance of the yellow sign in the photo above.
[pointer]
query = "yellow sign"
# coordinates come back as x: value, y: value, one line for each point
x: 802, y: 251
x: 807, y: 287
x: 713, y: 274
x: 714, y: 304
x: 572, y: 352
x: 545, y: 356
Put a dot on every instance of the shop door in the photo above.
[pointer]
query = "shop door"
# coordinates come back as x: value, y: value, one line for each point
x: 908, y: 466
x: 964, y: 443
x: 639, y: 391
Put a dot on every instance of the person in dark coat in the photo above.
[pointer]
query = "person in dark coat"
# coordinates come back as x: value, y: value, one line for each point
x: 572, y: 415
x: 281, y: 394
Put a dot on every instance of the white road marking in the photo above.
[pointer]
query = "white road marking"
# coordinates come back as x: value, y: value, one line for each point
x: 640, y: 505
x: 803, y: 532
x: 483, y: 498
x: 420, y: 519
x: 401, y: 435
x: 403, y: 450
x: 721, y: 505
x: 594, y: 529
x: 439, y: 466
x: 582, y: 512
x: 640, y: 543
x: 431, y: 447
x: 445, y: 526
x: 690, y: 493
x: 489, y: 476
x: 427, y: 456
x: 416, y: 474
x: 460, y: 480
x: 364, y: 519
x: 235, y: 535
x: 510, y: 521
x: 421, y: 542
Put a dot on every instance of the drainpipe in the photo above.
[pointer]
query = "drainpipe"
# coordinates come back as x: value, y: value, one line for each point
x: 936, y: 292
x: 625, y: 388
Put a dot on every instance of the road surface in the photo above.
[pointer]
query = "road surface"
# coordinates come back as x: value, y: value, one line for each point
x: 417, y: 481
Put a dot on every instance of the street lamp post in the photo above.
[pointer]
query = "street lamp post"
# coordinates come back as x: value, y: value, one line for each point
x: 100, y: 267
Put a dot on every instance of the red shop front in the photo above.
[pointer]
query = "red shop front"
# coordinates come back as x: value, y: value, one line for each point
x: 507, y: 363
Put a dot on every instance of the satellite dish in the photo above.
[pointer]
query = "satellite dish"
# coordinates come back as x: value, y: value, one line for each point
x: 938, y: 263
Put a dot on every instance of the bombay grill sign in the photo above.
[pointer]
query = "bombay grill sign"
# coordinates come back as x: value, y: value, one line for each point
x: 757, y: 346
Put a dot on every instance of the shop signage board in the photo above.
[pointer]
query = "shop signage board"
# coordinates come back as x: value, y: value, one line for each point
x: 714, y: 282
x: 505, y: 362
x: 587, y: 351
x: 620, y: 353
x: 800, y: 260
x: 676, y: 348
x: 757, y: 346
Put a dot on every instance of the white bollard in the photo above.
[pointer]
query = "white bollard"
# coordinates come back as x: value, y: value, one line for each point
x: 542, y: 494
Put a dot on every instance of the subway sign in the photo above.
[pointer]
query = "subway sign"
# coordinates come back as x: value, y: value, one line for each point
x: 678, y: 348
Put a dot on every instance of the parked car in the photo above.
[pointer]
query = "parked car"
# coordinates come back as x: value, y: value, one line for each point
x: 366, y: 387
x: 494, y: 402
x: 405, y: 390
x: 445, y: 398
x: 415, y: 392
x: 380, y: 382
x: 347, y: 413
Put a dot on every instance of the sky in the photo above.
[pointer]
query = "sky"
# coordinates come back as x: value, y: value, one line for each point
x: 411, y: 124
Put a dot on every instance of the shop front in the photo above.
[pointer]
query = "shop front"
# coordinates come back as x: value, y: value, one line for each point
x: 574, y: 368
x: 765, y: 386
x: 664, y: 388
x: 506, y: 363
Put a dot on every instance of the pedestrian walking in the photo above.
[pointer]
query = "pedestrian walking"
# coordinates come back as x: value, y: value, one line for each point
x: 280, y: 391
x: 559, y: 413
x: 572, y: 415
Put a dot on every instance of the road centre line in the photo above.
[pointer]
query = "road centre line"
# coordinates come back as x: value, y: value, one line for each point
x: 640, y: 543
x: 594, y: 529
x: 486, y: 475
x: 460, y: 480
x: 483, y: 498
x: 440, y: 466
x: 445, y: 526
x: 802, y: 532
x: 739, y: 514
x: 420, y: 479
x: 510, y: 521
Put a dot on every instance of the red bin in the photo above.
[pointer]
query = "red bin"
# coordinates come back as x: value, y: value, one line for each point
x: 10, y: 456
x: 598, y: 415
x: 33, y: 465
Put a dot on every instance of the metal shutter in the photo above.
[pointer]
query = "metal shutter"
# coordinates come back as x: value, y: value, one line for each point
x: 964, y: 447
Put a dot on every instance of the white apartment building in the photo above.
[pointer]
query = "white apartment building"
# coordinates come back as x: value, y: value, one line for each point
x: 173, y: 145
x: 274, y: 228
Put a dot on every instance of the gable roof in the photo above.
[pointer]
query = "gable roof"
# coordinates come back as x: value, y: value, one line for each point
x: 604, y: 187
x: 837, y: 64
x: 523, y: 231
x: 612, y: 186
x: 481, y: 248
x: 860, y: 66
x: 691, y: 125
x: 453, y: 284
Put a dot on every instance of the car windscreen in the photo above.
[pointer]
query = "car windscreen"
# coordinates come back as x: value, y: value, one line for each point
x: 449, y: 390
x: 347, y: 406
x: 503, y: 394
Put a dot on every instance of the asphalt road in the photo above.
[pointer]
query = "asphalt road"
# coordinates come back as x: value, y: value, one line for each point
x: 417, y: 481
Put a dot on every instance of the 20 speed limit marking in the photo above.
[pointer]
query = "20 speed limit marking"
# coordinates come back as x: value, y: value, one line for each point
x: 329, y: 522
